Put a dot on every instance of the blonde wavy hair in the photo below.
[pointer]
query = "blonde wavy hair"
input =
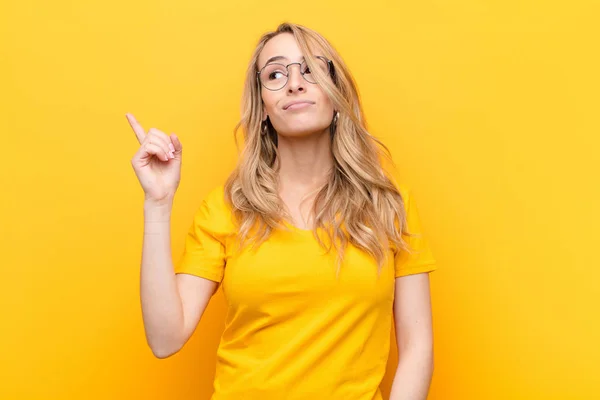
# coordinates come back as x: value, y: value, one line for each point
x: 359, y: 202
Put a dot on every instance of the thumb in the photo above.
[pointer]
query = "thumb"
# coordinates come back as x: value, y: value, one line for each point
x: 176, y: 143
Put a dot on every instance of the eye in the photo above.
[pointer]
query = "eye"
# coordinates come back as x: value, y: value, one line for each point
x: 275, y: 75
x: 274, y: 72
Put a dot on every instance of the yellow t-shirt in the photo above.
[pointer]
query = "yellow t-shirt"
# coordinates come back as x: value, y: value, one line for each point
x: 292, y: 330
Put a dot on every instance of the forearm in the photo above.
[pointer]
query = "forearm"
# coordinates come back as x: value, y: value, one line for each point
x: 162, y: 310
x: 413, y: 374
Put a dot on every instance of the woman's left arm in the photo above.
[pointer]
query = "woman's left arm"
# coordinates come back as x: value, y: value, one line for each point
x: 414, y: 335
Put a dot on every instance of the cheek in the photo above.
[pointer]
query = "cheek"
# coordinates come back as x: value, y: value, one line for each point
x: 326, y: 107
x: 269, y: 101
x: 324, y: 99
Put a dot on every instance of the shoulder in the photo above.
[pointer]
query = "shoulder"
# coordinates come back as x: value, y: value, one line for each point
x: 214, y: 212
x: 215, y: 198
x: 404, y: 189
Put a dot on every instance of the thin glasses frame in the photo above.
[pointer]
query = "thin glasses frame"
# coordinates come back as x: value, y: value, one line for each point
x: 330, y: 70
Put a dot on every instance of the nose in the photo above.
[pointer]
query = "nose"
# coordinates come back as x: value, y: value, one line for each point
x: 295, y: 79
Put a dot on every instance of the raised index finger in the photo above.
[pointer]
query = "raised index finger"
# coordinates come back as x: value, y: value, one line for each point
x: 137, y: 128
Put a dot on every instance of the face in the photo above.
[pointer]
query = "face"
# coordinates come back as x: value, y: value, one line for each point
x: 314, y: 110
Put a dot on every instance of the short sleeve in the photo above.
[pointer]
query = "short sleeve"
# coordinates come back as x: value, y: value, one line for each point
x: 205, y: 250
x: 421, y: 258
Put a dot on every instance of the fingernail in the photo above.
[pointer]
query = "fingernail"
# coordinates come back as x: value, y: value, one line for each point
x: 171, y: 154
x: 171, y: 147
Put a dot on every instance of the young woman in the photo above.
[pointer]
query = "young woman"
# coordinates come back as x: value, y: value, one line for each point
x: 316, y: 247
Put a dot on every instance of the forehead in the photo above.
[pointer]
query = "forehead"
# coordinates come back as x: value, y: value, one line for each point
x: 284, y: 45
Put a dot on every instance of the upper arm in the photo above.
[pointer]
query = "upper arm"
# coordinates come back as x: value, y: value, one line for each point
x: 412, y: 299
x: 195, y: 293
x: 412, y: 311
x: 201, y: 268
x: 420, y: 257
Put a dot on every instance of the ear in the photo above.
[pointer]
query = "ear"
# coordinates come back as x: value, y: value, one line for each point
x: 264, y: 114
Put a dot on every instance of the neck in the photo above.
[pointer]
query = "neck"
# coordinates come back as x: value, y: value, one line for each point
x: 304, y: 162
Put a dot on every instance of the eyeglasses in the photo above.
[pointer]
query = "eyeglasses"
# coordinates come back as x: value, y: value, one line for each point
x: 274, y: 76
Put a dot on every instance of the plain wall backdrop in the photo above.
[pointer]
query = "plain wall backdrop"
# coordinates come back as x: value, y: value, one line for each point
x: 490, y: 109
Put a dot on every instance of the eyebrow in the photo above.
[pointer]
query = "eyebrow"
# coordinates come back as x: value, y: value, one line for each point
x: 277, y: 58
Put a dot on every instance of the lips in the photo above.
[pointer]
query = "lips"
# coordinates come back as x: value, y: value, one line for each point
x: 298, y: 104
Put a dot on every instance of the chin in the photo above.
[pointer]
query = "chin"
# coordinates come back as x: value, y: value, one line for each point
x: 304, y: 125
x: 300, y: 131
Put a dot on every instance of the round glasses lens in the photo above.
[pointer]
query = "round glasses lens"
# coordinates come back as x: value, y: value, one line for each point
x: 274, y: 76
x: 308, y: 75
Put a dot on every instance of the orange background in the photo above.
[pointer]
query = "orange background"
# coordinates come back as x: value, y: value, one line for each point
x: 490, y: 110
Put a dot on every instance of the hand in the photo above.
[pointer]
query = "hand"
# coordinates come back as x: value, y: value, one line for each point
x: 157, y: 163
